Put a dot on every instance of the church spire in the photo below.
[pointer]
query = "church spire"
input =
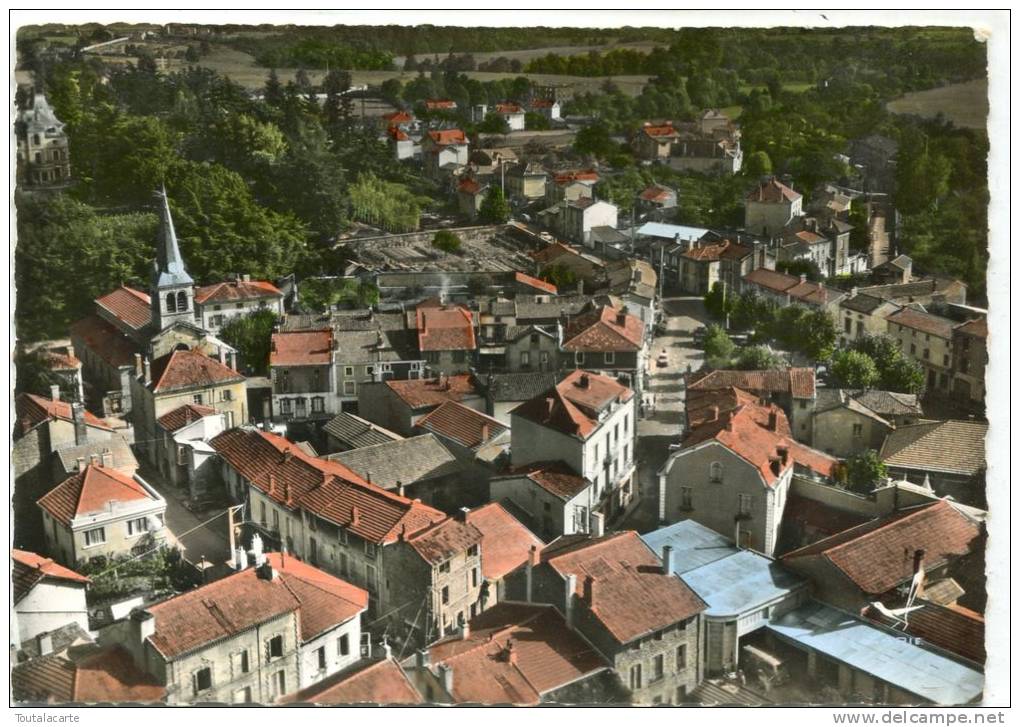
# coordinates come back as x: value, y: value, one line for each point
x: 170, y: 271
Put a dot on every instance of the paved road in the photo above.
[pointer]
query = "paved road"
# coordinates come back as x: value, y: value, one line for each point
x: 190, y: 530
x: 663, y: 427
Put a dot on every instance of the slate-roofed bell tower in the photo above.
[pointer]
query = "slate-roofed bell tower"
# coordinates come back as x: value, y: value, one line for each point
x: 173, y: 290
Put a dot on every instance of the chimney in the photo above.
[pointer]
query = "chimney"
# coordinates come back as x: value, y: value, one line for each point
x: 668, y: 561
x: 529, y: 567
x: 803, y: 277
x: 138, y: 365
x: 583, y: 381
x: 784, y: 455
x: 773, y: 421
x: 265, y: 571
x: 446, y: 675
x: 44, y: 642
x: 918, y: 560
x: 568, y: 599
x: 589, y: 590
x: 55, y: 392
x: 81, y: 430
x: 107, y: 457
x: 715, y: 413
x: 240, y: 559
x: 143, y: 625
x: 81, y: 464
x: 580, y: 287
x: 94, y: 460
x: 355, y: 516
x: 70, y: 350
x: 853, y: 292
x: 598, y: 524
x: 272, y: 484
x: 421, y: 659
x: 400, y: 488
x: 621, y: 317
x: 147, y: 367
x: 387, y: 650
x: 485, y: 432
x: 465, y: 630
x: 550, y: 402
x: 462, y: 514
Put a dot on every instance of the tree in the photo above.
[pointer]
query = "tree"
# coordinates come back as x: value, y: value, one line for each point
x: 389, y: 205
x: 535, y: 122
x: 896, y: 371
x: 758, y: 164
x: 493, y: 123
x: 251, y: 335
x: 854, y: 370
x: 717, y: 303
x: 818, y: 335
x: 758, y: 358
x: 594, y: 140
x: 34, y: 376
x: 447, y: 241
x: 808, y: 268
x: 559, y: 275
x: 494, y: 210
x: 864, y: 471
x: 191, y: 55
x: 319, y: 294
x: 273, y: 92
x: 719, y: 348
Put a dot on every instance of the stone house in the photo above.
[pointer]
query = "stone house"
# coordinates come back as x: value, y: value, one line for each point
x: 547, y: 107
x: 863, y: 315
x: 770, y: 207
x: 301, y: 366
x: 446, y: 337
x: 732, y: 472
x: 618, y: 595
x: 928, y: 340
x: 470, y: 195
x: 101, y: 512
x: 581, y: 215
x: 251, y: 637
x: 569, y: 185
x: 443, y: 150
x: 43, y: 158
x: 549, y: 497
x: 506, y: 545
x: 787, y: 290
x: 45, y: 597
x: 654, y: 142
x: 531, y: 349
x: 218, y: 303
x: 589, y: 423
x: 608, y: 340
x: 970, y: 358
x: 370, y: 681
x: 468, y: 434
x: 703, y: 265
x: 526, y: 181
x: 183, y: 454
x: 842, y: 426
x: 585, y: 267
x: 401, y: 145
x: 948, y: 456
x: 398, y: 405
x: 512, y: 114
x: 347, y: 431
x: 506, y: 391
x: 657, y: 197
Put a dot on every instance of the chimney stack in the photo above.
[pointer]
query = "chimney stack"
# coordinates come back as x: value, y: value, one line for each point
x: 81, y: 430
x: 147, y: 367
x: 138, y: 365
x: 55, y: 392
x: 773, y: 421
x: 529, y: 567
x: 509, y: 653
x: 598, y: 524
x: 589, y: 590
x: 107, y: 457
x: 485, y: 432
x: 421, y: 659
x: 584, y: 381
x: 446, y: 674
x: 668, y: 561
x: 355, y: 516
x: 568, y: 599
x: 143, y: 626
x: 918, y: 560
x: 803, y: 277
x: 462, y: 514
x: 715, y: 413
x: 81, y: 464
x: 265, y: 571
x: 465, y: 630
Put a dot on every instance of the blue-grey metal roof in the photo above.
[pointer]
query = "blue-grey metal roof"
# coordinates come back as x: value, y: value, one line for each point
x: 170, y: 271
x: 741, y: 583
x: 878, y: 652
x: 669, y: 232
x: 694, y: 545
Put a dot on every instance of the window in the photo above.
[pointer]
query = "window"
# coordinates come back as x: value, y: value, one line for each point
x: 543, y: 357
x: 945, y: 360
x: 182, y: 301
x: 202, y: 680
x: 626, y: 423
x: 579, y: 358
x: 262, y: 513
x: 858, y: 429
x: 171, y: 303
x: 534, y: 339
x: 635, y: 676
x: 313, y: 550
x: 525, y: 358
x: 446, y: 595
x: 744, y: 504
x: 926, y: 354
x: 472, y: 551
x: 370, y: 578
x: 320, y: 655
x: 474, y: 578
x: 285, y: 406
x: 369, y: 370
x: 681, y: 656
x: 239, y: 663
x: 138, y: 526
x: 226, y: 395
x: 348, y: 371
x: 846, y: 325
x: 686, y: 498
x: 318, y: 404
x: 276, y: 520
x: 657, y: 699
x: 343, y: 565
x: 242, y: 696
x: 343, y: 645
x: 279, y: 683
x: 197, y: 398
x: 609, y: 357
x: 444, y: 567
x: 370, y: 549
x: 341, y: 535
x: 715, y: 472
x: 681, y: 695
x: 803, y: 404
x: 275, y: 649
x: 95, y: 536
x: 913, y: 349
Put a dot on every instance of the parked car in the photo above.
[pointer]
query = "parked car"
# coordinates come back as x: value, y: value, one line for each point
x: 699, y: 334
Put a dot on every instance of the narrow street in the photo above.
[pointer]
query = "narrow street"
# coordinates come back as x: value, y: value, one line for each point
x: 682, y: 315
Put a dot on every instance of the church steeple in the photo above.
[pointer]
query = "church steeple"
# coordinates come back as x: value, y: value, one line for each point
x: 172, y: 288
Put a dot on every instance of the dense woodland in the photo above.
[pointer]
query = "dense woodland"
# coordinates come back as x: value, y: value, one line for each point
x: 262, y: 186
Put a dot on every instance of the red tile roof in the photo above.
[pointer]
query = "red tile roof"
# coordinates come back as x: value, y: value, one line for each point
x: 128, y: 305
x: 748, y: 432
x: 90, y: 491
x: 104, y: 340
x: 556, y: 478
x: 464, y: 425
x: 814, y: 293
x: 575, y: 175
x: 234, y: 290
x: 85, y: 673
x: 506, y: 543
x: 302, y: 348
x: 398, y: 117
x: 184, y: 415
x: 628, y: 592
x: 29, y: 569
x: 188, y: 369
x: 954, y: 628
x: 514, y: 654
x: 33, y: 410
x: 658, y: 131
x: 508, y: 108
x: 553, y: 252
x: 818, y: 516
x: 542, y: 103
x: 797, y: 382
x: 469, y: 185
x: 703, y: 406
x: 655, y: 193
x: 60, y: 360
x: 544, y: 286
x: 328, y: 489
x: 231, y: 605
x: 773, y: 191
x: 976, y: 327
x: 397, y: 134
x: 442, y: 540
x: 713, y: 253
x: 772, y: 280
x: 445, y: 328
x: 604, y: 329
x: 572, y: 406
x: 924, y: 322
x: 879, y: 555
x: 440, y: 103
x: 448, y: 137
x: 383, y: 682
x: 425, y: 393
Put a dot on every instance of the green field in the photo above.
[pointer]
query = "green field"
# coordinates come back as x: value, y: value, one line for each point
x: 965, y: 104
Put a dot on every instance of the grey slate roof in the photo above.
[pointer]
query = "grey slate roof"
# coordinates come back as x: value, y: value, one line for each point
x: 953, y: 446
x: 889, y: 403
x: 863, y: 303
x: 522, y: 386
x: 123, y: 458
x: 356, y: 432
x: 401, y: 462
x: 531, y: 309
x: 170, y: 270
